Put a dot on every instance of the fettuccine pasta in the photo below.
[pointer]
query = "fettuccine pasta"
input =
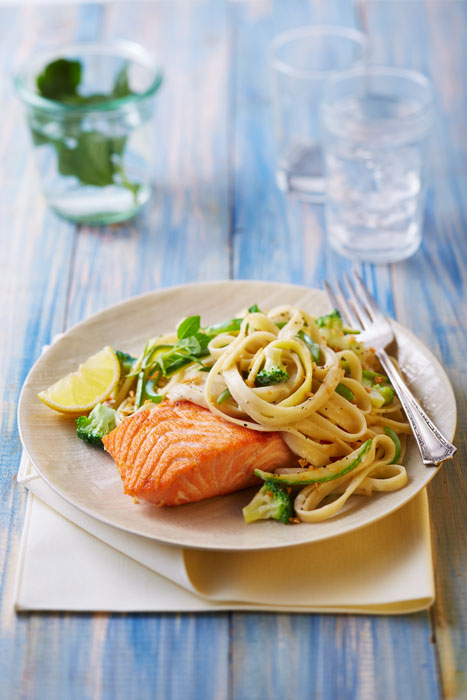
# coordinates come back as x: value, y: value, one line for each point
x: 310, y: 380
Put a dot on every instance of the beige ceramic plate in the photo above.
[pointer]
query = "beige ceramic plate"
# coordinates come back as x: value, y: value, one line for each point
x: 88, y: 478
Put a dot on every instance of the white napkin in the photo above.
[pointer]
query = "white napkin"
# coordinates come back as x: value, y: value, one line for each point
x: 70, y: 561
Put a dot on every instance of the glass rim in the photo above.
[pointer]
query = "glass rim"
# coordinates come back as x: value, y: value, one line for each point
x: 122, y: 48
x: 420, y: 116
x: 332, y: 31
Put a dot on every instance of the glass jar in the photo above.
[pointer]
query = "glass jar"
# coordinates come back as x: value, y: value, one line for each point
x: 91, y: 111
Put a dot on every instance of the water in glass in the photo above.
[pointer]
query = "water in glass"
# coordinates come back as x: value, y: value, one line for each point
x: 375, y: 124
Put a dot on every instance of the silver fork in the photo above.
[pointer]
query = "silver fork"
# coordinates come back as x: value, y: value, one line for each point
x: 364, y: 313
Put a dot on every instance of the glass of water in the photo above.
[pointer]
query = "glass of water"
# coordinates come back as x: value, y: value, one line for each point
x: 90, y: 108
x: 302, y: 61
x: 375, y: 125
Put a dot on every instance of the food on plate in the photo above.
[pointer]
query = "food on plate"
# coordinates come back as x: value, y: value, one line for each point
x: 93, y: 428
x: 81, y: 391
x: 272, y: 502
x: 178, y: 453
x: 279, y: 396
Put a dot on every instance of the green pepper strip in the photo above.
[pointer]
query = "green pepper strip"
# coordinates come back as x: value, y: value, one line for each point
x: 344, y: 391
x: 301, y: 478
x: 150, y: 391
x: 224, y: 396
x: 390, y: 433
x: 140, y: 389
x: 313, y: 347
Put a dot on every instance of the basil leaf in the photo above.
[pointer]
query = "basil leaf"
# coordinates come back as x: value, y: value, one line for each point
x: 203, y: 340
x: 90, y: 160
x: 122, y: 85
x: 59, y: 79
x: 174, y: 361
x: 190, y: 344
x: 254, y: 309
x: 189, y: 327
x: 225, y: 327
x: 94, y: 158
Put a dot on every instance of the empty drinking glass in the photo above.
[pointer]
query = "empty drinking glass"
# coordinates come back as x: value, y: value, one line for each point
x: 303, y: 60
x: 375, y: 124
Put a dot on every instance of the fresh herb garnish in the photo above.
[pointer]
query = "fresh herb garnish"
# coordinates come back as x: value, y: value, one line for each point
x: 126, y: 362
x: 91, y: 156
x: 122, y: 84
x: 59, y: 80
x: 232, y: 326
x: 162, y: 359
x: 188, y: 327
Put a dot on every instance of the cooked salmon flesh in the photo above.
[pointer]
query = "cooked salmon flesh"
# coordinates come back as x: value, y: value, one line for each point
x: 178, y: 452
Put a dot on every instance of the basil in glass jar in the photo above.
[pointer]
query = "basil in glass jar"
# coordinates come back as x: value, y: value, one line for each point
x: 91, y: 111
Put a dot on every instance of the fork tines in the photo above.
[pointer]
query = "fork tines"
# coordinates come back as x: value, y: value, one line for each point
x: 356, y: 312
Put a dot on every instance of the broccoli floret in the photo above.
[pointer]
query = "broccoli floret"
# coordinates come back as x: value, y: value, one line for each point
x: 336, y: 335
x: 331, y: 321
x: 332, y: 330
x: 381, y: 391
x: 275, y: 375
x: 126, y: 362
x: 272, y: 502
x: 92, y: 428
x: 273, y: 371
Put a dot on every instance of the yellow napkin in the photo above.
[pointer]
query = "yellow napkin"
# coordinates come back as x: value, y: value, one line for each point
x: 70, y: 561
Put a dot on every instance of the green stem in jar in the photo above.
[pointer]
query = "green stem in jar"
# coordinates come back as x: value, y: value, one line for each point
x: 92, y: 157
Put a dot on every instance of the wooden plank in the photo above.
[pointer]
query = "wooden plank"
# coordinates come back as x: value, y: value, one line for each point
x: 278, y: 238
x: 181, y: 236
x: 36, y: 252
x: 430, y: 38
x: 331, y: 656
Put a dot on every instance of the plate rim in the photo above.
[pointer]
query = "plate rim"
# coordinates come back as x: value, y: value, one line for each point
x: 206, y: 545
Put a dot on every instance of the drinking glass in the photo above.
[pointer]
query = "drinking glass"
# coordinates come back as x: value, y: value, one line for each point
x: 375, y: 125
x: 95, y: 147
x: 302, y: 61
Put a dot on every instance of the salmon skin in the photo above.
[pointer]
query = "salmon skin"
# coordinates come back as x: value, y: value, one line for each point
x: 178, y: 452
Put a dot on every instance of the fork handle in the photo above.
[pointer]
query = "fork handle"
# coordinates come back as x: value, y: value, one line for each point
x: 433, y: 446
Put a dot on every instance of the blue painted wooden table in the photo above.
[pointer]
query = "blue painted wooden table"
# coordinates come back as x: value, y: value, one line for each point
x: 216, y: 214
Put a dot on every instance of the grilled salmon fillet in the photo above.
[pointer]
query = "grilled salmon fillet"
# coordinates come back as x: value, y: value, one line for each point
x: 178, y: 452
